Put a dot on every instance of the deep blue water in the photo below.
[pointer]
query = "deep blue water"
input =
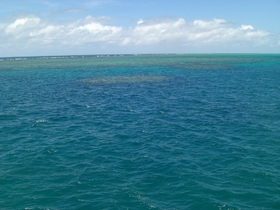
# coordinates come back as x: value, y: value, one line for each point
x: 140, y: 132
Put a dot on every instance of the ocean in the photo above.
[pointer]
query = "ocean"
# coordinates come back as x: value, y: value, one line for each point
x: 167, y: 131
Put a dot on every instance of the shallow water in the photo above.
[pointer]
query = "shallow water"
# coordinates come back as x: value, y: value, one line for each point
x: 140, y: 132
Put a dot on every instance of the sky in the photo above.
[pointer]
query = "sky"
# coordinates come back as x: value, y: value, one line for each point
x: 82, y: 27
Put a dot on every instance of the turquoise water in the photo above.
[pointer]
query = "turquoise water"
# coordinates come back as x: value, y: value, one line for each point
x: 140, y: 132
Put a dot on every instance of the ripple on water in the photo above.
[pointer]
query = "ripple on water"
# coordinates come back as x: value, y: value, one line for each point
x: 125, y: 79
x: 204, y: 139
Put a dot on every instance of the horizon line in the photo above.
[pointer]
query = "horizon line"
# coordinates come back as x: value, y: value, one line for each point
x: 121, y: 54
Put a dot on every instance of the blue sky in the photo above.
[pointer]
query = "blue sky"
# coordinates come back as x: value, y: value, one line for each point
x: 51, y: 27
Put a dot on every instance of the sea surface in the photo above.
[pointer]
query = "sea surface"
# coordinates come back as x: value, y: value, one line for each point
x: 194, y: 131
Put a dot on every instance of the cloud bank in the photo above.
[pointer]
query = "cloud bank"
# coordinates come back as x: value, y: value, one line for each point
x: 33, y: 32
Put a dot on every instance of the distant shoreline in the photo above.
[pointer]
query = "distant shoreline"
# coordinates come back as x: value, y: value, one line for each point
x: 120, y: 55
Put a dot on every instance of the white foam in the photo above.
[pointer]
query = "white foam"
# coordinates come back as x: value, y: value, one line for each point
x: 41, y: 121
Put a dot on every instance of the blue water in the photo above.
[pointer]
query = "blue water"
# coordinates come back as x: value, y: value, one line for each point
x: 140, y: 132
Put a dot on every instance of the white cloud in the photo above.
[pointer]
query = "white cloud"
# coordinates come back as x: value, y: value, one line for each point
x: 21, y: 26
x: 208, y: 25
x: 199, y: 32
x: 47, y: 35
x: 140, y: 22
x: 173, y: 32
x: 74, y: 33
x: 154, y: 32
x: 246, y: 27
